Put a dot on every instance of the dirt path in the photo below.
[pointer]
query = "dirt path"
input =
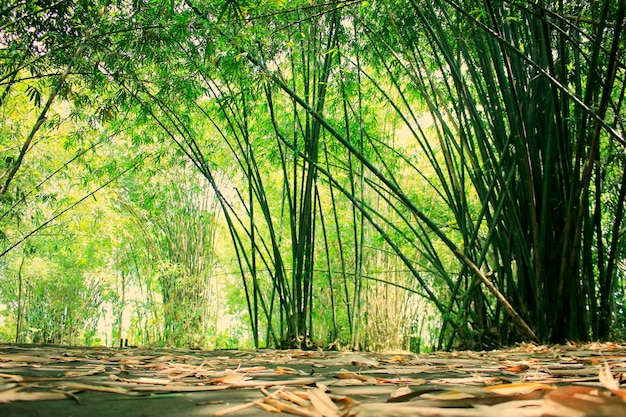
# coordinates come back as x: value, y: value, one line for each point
x: 527, y: 381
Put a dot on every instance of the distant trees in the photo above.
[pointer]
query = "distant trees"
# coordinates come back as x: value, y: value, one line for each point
x: 453, y: 170
x: 173, y: 256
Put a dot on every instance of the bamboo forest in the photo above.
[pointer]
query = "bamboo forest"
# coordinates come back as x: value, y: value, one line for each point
x: 318, y: 174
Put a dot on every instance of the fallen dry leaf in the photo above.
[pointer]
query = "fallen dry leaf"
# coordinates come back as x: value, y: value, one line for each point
x: 18, y: 395
x: 352, y: 375
x: 606, y: 378
x: 10, y: 378
x: 323, y: 403
x: 235, y: 409
x: 93, y: 371
x: 25, y: 359
x: 294, y: 409
x: 97, y: 388
x: 288, y: 371
x: 579, y: 401
x: 516, y: 368
x: 521, y: 388
x: 400, y: 392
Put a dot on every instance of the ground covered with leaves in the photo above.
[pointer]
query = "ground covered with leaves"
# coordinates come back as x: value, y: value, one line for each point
x: 529, y: 380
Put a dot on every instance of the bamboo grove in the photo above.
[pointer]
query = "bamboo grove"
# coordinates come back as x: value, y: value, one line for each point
x: 458, y: 164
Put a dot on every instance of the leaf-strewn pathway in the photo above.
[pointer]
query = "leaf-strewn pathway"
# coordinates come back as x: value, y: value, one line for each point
x: 528, y: 380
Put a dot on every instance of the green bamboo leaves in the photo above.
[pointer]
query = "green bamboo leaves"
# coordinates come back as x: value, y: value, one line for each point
x: 468, y: 152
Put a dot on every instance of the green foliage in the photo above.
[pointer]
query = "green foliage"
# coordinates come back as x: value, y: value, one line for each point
x: 55, y: 303
x: 371, y: 175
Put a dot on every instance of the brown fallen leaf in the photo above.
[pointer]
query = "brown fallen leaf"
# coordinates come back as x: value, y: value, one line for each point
x: 226, y: 379
x: 397, y: 358
x: 580, y: 401
x: 407, y: 396
x: 463, y: 397
x: 267, y: 407
x: 293, y: 408
x: 294, y: 397
x: 606, y: 378
x: 4, y: 378
x: 352, y: 375
x: 88, y: 372
x: 401, y: 381
x: 235, y: 409
x: 18, y: 395
x: 97, y: 388
x: 322, y: 403
x: 516, y: 368
x: 474, y: 380
x: 521, y: 388
x: 6, y: 387
x: 400, y: 392
x: 283, y: 370
x: 178, y: 388
x: 150, y: 381
x: 25, y: 359
x: 263, y: 383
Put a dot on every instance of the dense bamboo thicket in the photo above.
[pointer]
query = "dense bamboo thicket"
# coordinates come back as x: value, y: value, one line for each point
x: 378, y: 174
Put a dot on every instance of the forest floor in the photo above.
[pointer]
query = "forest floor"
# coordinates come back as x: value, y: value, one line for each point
x: 528, y: 380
